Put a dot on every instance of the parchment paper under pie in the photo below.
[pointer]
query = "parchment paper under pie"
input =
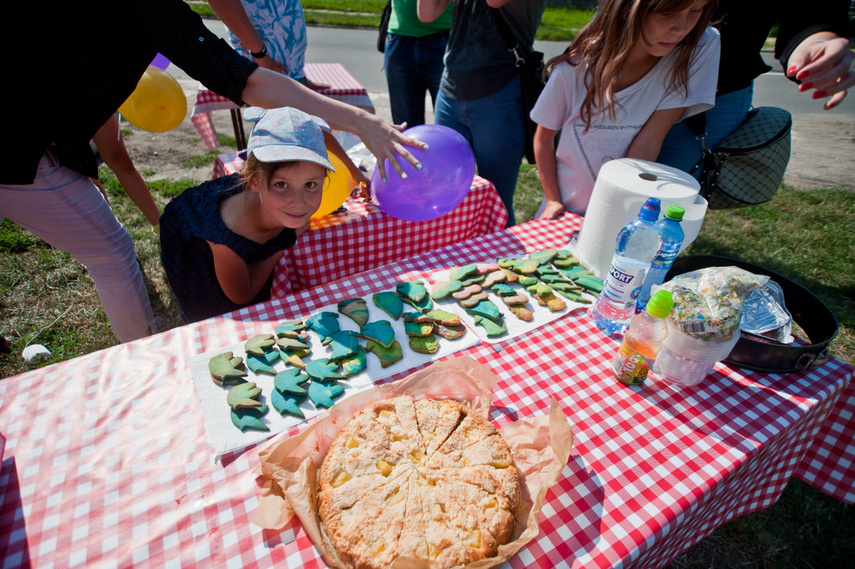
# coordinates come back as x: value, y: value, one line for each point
x: 540, y: 446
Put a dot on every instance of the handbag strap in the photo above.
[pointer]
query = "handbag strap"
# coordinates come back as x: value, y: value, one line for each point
x: 508, y: 36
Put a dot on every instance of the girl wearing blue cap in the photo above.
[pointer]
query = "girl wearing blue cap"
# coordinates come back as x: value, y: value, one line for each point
x: 221, y: 240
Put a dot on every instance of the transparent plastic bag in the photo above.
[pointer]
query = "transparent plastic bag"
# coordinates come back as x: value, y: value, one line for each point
x: 708, y: 303
x: 765, y: 314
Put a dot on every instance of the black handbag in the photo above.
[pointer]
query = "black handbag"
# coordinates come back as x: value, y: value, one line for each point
x: 530, y: 65
x: 384, y: 27
x: 746, y: 168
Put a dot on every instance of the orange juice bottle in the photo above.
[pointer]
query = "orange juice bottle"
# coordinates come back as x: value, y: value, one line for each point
x: 643, y: 340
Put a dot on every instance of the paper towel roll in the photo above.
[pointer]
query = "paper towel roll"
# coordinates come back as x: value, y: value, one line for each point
x: 621, y: 189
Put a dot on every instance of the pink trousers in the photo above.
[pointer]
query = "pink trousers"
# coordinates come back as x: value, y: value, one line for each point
x: 66, y: 209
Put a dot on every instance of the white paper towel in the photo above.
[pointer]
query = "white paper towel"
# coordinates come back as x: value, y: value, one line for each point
x: 621, y: 189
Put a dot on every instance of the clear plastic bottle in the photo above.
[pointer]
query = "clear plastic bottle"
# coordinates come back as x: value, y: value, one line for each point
x: 672, y: 239
x: 643, y: 340
x: 635, y: 248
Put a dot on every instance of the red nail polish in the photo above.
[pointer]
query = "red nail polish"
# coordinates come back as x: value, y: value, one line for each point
x: 791, y: 70
x: 819, y: 94
x: 805, y: 86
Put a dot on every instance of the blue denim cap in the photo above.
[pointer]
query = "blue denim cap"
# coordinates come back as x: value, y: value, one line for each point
x: 286, y: 134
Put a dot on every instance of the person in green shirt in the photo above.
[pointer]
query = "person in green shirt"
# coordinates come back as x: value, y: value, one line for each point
x: 413, y: 60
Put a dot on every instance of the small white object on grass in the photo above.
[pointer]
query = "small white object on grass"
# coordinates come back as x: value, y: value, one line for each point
x: 36, y: 353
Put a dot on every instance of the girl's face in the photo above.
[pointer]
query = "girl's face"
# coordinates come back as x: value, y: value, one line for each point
x: 662, y: 32
x: 292, y: 194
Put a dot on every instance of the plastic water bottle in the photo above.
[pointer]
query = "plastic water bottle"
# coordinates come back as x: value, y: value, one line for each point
x: 635, y: 248
x: 672, y: 239
x: 643, y: 340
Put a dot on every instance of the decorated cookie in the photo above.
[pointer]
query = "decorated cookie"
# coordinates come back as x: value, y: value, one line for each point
x: 323, y: 370
x: 487, y: 268
x: 354, y: 308
x: 244, y: 396
x: 290, y: 381
x: 354, y: 364
x: 250, y: 418
x: 295, y: 344
x: 324, y: 324
x: 486, y: 309
x: 521, y: 312
x: 443, y: 289
x: 414, y: 291
x: 463, y: 273
x: 491, y: 279
x: 491, y: 327
x: 226, y: 369
x: 564, y: 259
x: 527, y: 281
x: 288, y: 404
x: 423, y: 305
x: 474, y: 279
x: 291, y: 328
x: 450, y: 332
x: 424, y: 344
x: 343, y: 345
x: 380, y: 331
x: 467, y: 291
x: 511, y: 276
x: 259, y: 344
x: 386, y: 355
x: 516, y: 300
x: 545, y: 256
x: 390, y: 303
x: 503, y: 289
x: 295, y: 357
x: 474, y: 300
x: 413, y: 316
x: 418, y: 328
x: 263, y: 363
x: 444, y: 317
x: 322, y: 395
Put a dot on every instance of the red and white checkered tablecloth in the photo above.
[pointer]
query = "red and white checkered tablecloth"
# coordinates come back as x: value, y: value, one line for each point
x: 107, y: 463
x: 343, y: 87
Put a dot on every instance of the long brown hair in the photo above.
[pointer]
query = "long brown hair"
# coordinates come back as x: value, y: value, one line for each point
x: 606, y: 42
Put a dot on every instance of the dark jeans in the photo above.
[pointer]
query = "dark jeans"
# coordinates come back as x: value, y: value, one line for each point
x: 413, y: 67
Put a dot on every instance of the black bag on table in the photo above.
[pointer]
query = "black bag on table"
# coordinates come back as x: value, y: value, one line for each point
x: 746, y: 168
x: 384, y: 27
x: 530, y: 66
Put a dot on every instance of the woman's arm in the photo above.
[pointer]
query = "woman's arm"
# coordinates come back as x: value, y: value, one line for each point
x: 648, y: 141
x: 335, y: 147
x: 240, y: 282
x: 269, y: 90
x: 822, y: 62
x: 233, y: 15
x: 547, y: 170
x: 430, y: 10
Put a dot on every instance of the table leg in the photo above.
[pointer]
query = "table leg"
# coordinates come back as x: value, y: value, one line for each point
x: 240, y: 135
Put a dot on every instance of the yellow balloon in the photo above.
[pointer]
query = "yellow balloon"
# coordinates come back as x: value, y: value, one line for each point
x: 338, y: 188
x: 157, y: 104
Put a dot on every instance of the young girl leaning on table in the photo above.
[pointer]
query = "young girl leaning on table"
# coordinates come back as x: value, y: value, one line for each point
x: 221, y: 240
x: 637, y: 68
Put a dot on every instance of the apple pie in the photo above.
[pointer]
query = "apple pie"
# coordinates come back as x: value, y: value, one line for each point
x: 428, y: 479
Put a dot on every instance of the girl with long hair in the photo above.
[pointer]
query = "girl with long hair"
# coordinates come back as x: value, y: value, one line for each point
x: 637, y: 68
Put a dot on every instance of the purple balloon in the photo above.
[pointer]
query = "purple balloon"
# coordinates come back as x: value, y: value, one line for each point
x: 160, y: 61
x: 448, y: 167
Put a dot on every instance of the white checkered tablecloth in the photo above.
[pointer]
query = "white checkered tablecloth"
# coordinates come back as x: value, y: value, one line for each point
x: 106, y: 463
x: 342, y: 86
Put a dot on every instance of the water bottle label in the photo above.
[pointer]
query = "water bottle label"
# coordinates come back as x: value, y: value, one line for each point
x: 630, y: 367
x: 624, y: 281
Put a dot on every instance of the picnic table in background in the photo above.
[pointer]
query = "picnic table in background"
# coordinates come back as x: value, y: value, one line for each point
x: 343, y: 87
x: 107, y: 461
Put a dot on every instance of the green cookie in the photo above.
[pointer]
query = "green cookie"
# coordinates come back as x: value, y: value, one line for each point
x: 492, y: 328
x: 418, y: 328
x: 343, y: 345
x: 487, y: 309
x: 380, y: 331
x: 390, y: 303
x: 355, y: 309
x: 259, y: 344
x: 244, y: 396
x: 324, y: 324
x: 250, y: 418
x: 354, y: 364
x: 424, y: 344
x: 545, y: 256
x: 264, y: 363
x: 289, y: 343
x: 322, y: 395
x: 291, y: 328
x: 450, y: 332
x: 464, y: 272
x: 414, y: 290
x: 286, y: 403
x: 442, y: 289
x: 289, y: 381
x: 323, y: 370
x: 387, y: 356
x: 226, y: 369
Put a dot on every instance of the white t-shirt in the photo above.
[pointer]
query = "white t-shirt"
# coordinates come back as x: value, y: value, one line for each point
x: 580, y: 154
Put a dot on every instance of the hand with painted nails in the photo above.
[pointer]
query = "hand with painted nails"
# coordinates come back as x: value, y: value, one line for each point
x: 822, y: 63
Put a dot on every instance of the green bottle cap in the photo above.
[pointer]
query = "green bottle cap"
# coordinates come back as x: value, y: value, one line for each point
x: 675, y: 212
x: 660, y: 304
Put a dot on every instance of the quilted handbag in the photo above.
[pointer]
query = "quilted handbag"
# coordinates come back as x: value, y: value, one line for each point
x: 746, y: 168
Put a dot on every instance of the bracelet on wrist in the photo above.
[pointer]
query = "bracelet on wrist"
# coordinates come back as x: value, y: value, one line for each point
x: 259, y: 54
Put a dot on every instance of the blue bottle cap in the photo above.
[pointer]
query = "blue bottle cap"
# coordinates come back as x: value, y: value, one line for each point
x: 650, y: 209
